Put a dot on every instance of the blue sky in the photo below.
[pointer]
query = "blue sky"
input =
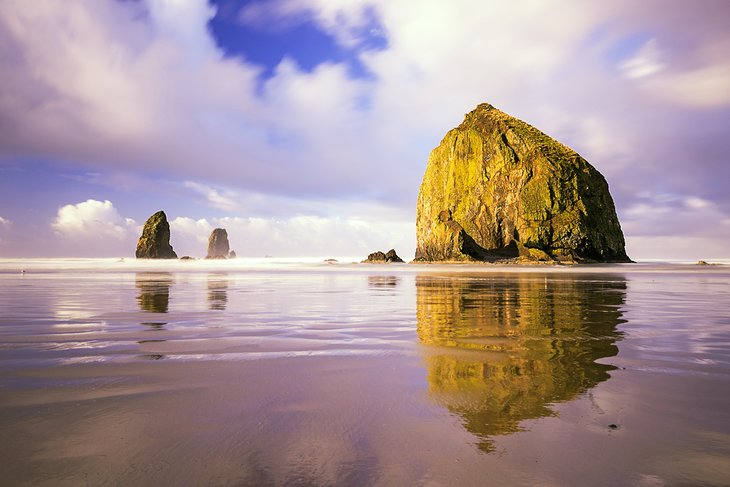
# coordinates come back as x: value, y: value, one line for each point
x: 265, y: 39
x: 304, y: 126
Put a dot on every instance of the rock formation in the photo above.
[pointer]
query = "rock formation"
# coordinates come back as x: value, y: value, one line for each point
x: 497, y: 188
x: 155, y: 240
x: 218, y: 247
x: 379, y: 257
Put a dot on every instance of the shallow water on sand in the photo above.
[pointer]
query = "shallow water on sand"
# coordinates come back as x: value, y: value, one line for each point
x: 290, y: 374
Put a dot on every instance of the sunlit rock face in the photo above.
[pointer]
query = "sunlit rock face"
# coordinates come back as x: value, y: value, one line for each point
x: 218, y: 246
x: 502, y: 350
x: 155, y: 240
x: 497, y: 188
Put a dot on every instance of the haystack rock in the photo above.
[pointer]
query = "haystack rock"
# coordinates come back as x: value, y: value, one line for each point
x: 497, y: 189
x: 218, y: 247
x: 155, y: 240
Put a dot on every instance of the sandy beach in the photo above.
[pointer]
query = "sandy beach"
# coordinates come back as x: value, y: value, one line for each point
x: 315, y: 374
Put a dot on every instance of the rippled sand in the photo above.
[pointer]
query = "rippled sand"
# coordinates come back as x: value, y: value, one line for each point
x: 260, y: 373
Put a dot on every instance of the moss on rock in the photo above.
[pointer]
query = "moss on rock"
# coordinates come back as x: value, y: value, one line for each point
x: 155, y: 240
x: 498, y: 188
x: 218, y: 246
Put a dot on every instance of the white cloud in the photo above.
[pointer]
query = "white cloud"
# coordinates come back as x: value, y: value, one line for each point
x: 704, y: 87
x: 669, y: 226
x: 133, y: 82
x: 91, y: 228
x: 690, y: 216
x: 299, y: 236
x: 317, y: 236
x: 147, y: 79
x: 190, y: 225
x: 181, y: 20
x: 645, y: 62
x: 4, y: 224
x: 348, y: 22
x: 92, y: 219
x: 697, y: 203
x: 189, y: 236
x: 214, y: 197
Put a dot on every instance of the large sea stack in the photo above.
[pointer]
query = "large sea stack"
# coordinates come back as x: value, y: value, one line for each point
x: 497, y: 188
x: 218, y: 246
x: 155, y: 240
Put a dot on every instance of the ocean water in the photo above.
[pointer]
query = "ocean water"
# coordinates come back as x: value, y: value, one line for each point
x: 290, y: 372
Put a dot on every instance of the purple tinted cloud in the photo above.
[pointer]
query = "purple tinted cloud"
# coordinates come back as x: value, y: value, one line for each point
x: 147, y: 90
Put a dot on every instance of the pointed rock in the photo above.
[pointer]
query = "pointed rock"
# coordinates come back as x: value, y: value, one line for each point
x: 497, y: 188
x: 380, y: 257
x: 155, y: 240
x: 391, y: 256
x: 218, y: 247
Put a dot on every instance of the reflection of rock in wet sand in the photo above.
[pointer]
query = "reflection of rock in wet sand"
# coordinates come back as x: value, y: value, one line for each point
x: 217, y: 291
x: 154, y: 292
x: 379, y: 282
x: 509, y: 346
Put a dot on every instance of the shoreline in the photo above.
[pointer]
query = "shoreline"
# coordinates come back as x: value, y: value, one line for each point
x: 25, y: 266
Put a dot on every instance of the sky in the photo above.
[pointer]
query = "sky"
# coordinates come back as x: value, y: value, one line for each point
x: 304, y: 127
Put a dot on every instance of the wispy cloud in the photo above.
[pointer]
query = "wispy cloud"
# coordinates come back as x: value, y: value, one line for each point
x: 215, y: 198
x: 645, y: 62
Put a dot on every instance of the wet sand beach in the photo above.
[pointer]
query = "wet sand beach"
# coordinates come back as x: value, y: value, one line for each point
x: 314, y: 374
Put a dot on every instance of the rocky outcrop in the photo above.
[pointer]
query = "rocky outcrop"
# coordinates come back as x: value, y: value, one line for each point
x: 498, y: 189
x: 155, y: 240
x: 218, y: 247
x: 383, y: 258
